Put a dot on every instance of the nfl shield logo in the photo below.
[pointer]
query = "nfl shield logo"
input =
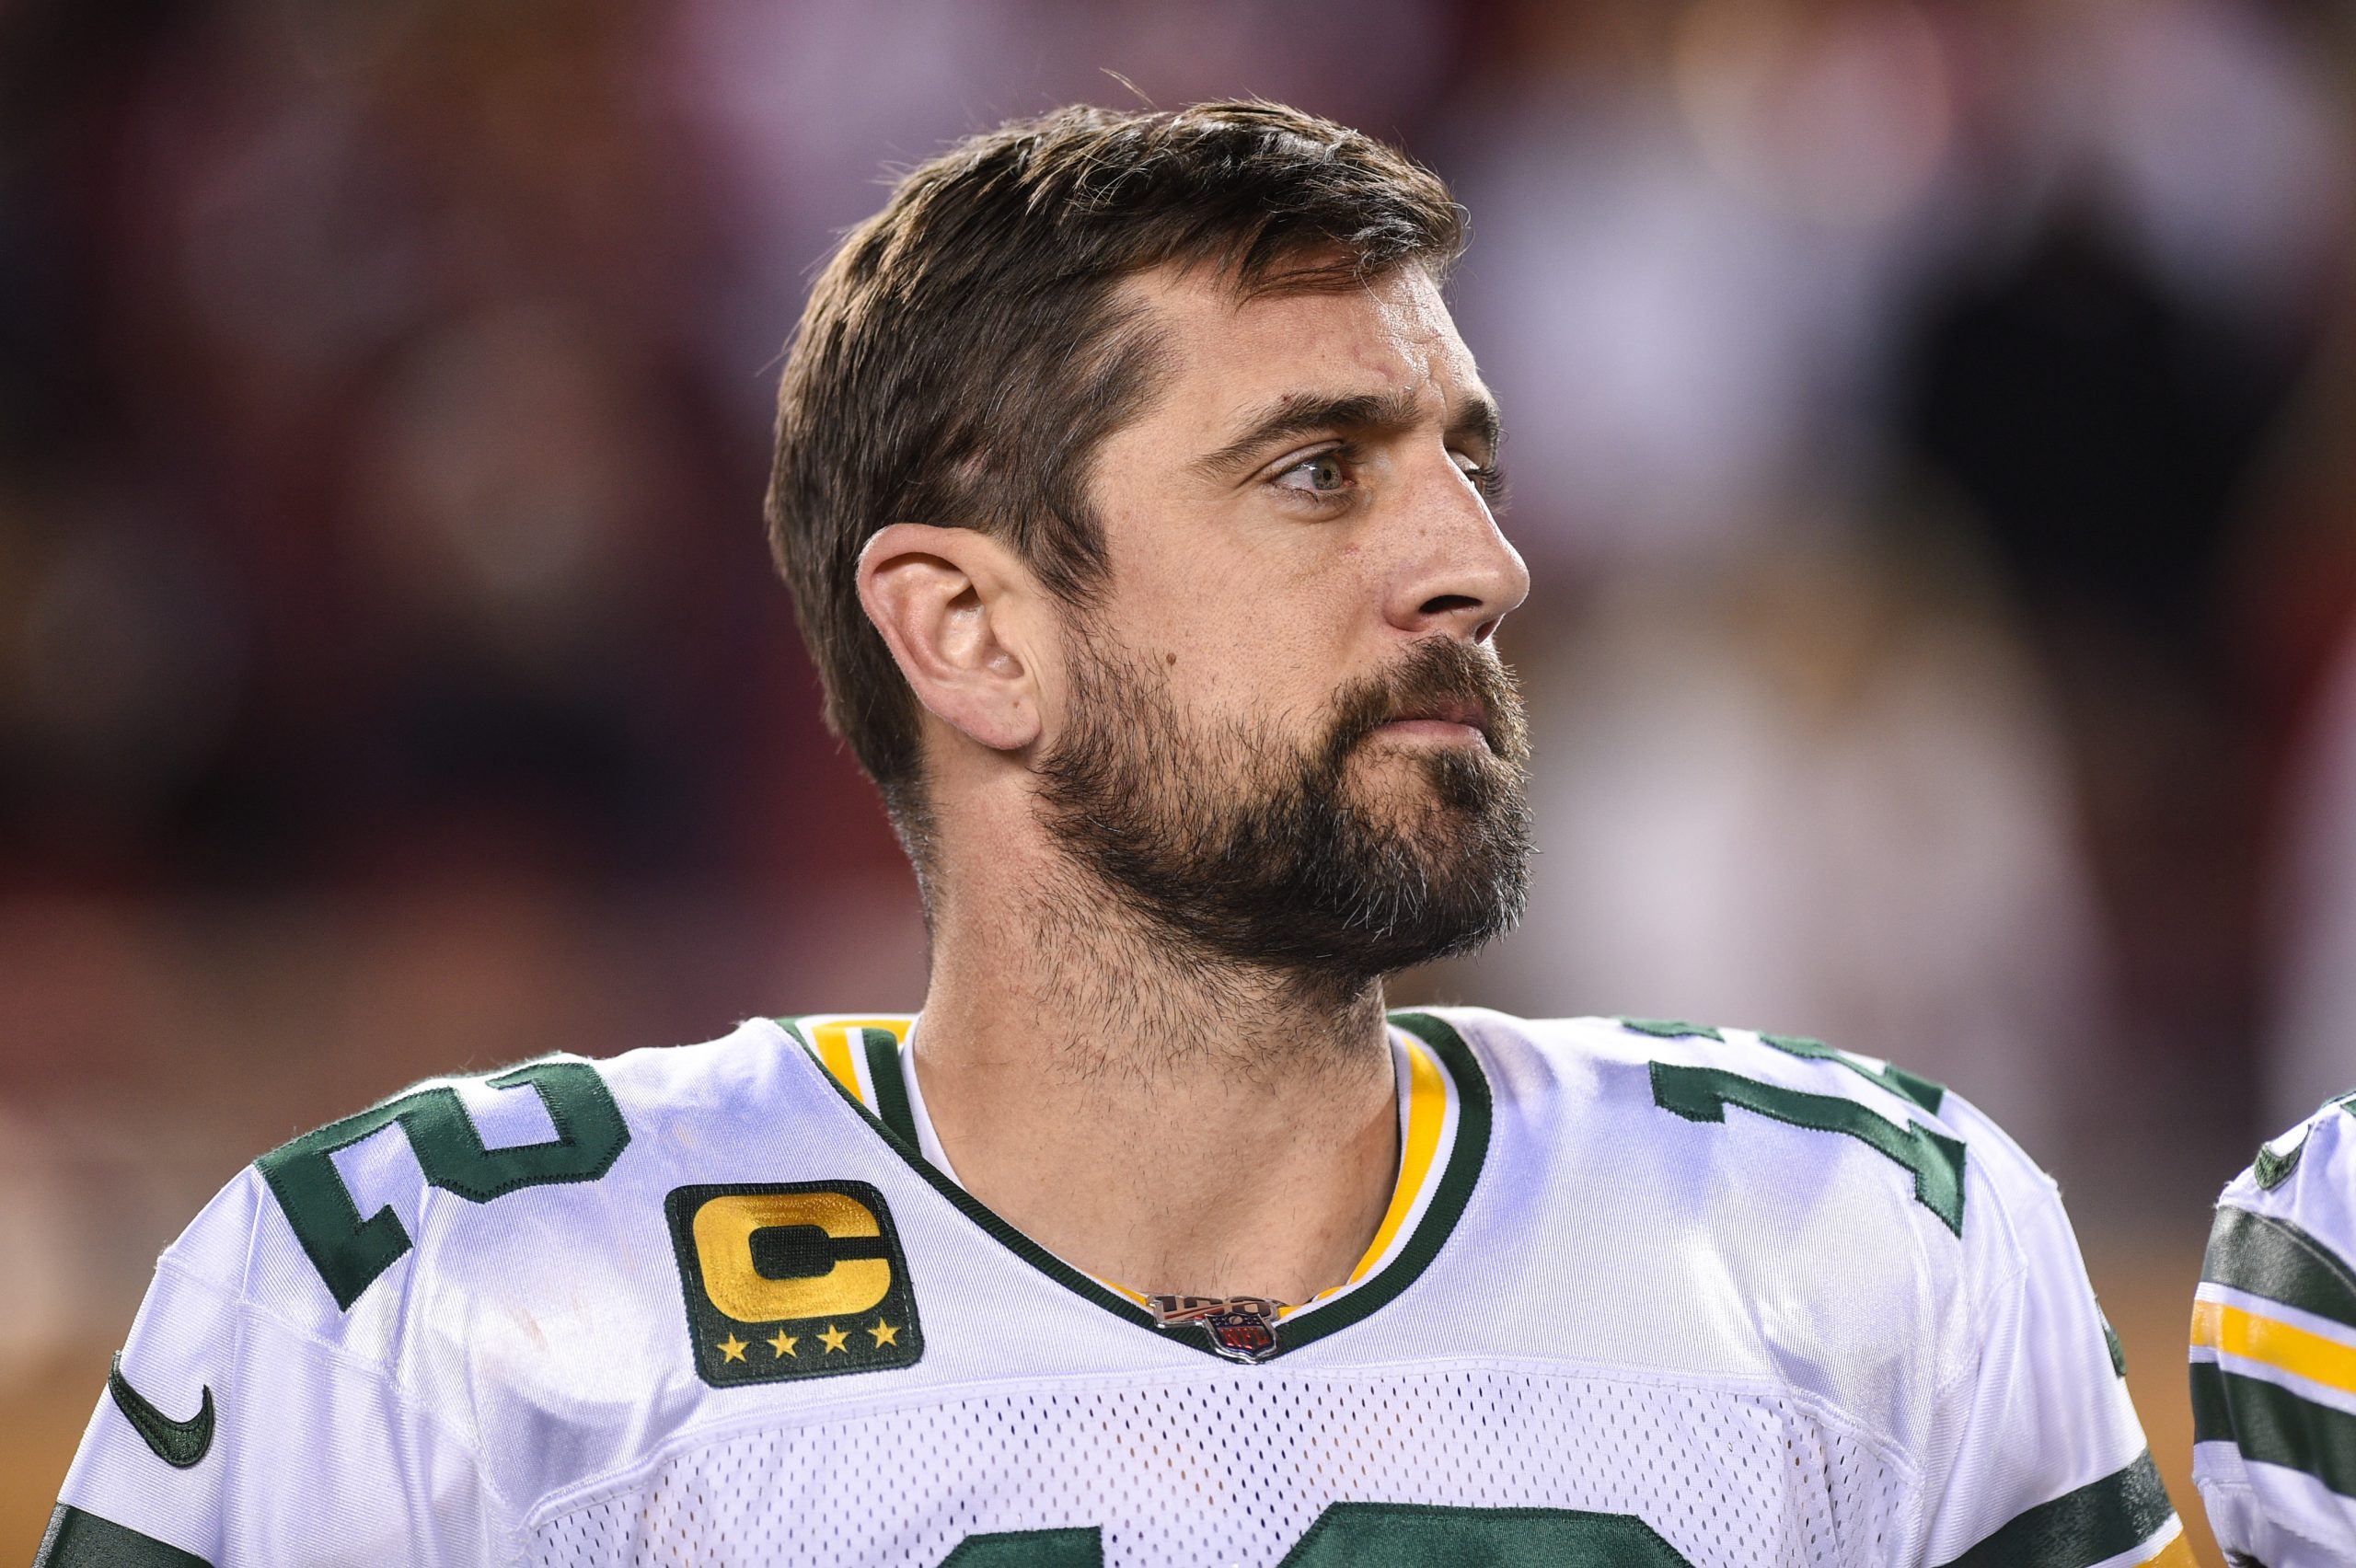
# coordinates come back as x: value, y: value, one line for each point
x: 1240, y: 1334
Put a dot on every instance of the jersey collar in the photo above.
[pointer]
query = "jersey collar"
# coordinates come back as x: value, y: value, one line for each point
x: 1444, y: 1137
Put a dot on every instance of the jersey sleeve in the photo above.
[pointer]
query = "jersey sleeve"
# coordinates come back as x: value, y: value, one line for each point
x: 2048, y: 1467
x: 228, y: 1435
x: 2273, y: 1356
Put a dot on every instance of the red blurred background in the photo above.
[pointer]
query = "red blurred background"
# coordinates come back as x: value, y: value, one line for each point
x: 1930, y: 439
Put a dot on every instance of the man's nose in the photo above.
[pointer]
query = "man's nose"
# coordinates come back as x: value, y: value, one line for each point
x: 1458, y: 573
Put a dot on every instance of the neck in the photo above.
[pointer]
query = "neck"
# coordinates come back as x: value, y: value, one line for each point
x: 1152, y: 1114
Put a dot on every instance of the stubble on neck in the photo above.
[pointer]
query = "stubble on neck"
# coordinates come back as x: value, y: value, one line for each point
x: 1157, y: 1116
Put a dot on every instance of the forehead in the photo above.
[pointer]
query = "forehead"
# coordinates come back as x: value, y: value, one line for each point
x: 1226, y: 353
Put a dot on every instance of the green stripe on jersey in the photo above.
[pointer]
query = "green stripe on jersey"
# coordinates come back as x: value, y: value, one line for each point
x: 1465, y: 1158
x: 2101, y: 1519
x: 77, y: 1539
x: 891, y: 1088
x: 2272, y: 1425
x: 2275, y: 1259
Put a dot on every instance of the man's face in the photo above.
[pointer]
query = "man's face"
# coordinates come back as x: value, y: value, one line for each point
x: 1283, y: 734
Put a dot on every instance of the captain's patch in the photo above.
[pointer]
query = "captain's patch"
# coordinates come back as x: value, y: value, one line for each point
x: 792, y: 1279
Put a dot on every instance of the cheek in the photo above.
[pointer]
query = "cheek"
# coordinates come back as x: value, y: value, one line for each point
x: 1262, y: 671
x: 1252, y: 615
x: 1270, y: 622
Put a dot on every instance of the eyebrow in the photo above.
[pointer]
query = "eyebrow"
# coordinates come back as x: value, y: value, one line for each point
x: 1308, y: 413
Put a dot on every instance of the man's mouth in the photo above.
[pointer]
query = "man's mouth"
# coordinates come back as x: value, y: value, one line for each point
x: 1457, y: 719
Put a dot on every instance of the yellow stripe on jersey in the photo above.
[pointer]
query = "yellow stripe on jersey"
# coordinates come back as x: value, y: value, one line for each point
x: 1426, y: 1117
x: 2178, y: 1553
x: 2235, y: 1331
x: 1427, y: 1112
x: 838, y: 1042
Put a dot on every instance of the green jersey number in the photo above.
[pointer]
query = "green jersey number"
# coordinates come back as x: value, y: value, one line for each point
x: 350, y: 1251
x: 1703, y: 1094
x: 1387, y: 1534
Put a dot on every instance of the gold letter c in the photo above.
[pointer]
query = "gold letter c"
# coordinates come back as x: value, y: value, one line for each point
x: 723, y: 1229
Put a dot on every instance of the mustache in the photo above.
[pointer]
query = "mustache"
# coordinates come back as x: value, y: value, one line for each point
x: 1438, y: 676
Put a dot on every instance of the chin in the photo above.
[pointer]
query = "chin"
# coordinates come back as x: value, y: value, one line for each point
x: 1414, y: 781
x: 1397, y: 787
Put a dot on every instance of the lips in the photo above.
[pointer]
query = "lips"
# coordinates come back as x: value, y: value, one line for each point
x: 1436, y: 694
x: 1467, y: 711
x: 1456, y: 711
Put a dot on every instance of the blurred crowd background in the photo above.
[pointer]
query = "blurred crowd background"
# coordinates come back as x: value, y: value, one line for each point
x: 1933, y: 437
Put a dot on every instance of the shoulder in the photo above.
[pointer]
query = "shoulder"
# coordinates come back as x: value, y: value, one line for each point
x: 1582, y: 1050
x: 427, y: 1307
x: 2285, y: 1229
x: 489, y: 1182
x: 2306, y: 1178
x: 2273, y: 1335
x: 1758, y: 1120
x: 1770, y: 1205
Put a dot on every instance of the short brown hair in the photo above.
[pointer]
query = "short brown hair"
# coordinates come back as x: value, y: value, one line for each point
x: 965, y: 351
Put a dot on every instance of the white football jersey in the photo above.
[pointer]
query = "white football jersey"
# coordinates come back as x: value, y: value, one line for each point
x: 2275, y: 1352
x: 1646, y: 1293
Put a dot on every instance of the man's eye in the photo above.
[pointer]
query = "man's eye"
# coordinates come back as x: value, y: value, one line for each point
x: 1485, y: 476
x: 1325, y: 474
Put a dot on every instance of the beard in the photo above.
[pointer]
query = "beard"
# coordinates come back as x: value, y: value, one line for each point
x: 1321, y: 859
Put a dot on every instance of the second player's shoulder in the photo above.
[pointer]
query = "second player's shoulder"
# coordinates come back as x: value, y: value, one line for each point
x: 2283, y: 1251
x: 2284, y: 1234
x: 2273, y: 1328
x: 2306, y: 1178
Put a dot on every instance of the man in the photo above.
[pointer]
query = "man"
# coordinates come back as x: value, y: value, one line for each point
x: 1133, y: 486
x: 2275, y: 1352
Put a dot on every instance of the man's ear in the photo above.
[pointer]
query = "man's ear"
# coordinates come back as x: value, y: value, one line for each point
x: 962, y: 615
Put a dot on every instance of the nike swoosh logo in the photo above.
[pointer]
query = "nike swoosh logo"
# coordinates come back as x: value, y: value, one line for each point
x: 178, y: 1443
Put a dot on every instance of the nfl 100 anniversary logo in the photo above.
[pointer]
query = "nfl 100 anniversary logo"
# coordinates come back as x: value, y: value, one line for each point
x: 1242, y: 1328
x: 792, y: 1279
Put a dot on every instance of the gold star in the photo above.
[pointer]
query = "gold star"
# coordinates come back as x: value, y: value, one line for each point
x: 834, y: 1338
x: 885, y: 1333
x: 783, y: 1344
x: 732, y: 1349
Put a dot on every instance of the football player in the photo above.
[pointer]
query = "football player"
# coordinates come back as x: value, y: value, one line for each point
x: 2275, y: 1352
x: 1134, y: 489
